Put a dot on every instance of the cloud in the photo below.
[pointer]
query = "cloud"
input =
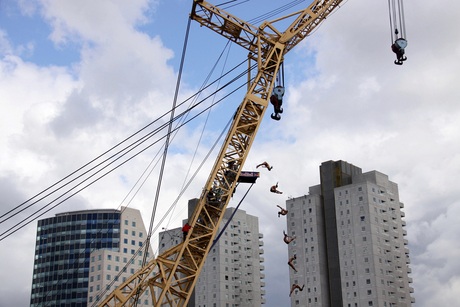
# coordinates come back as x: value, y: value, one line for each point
x: 345, y: 99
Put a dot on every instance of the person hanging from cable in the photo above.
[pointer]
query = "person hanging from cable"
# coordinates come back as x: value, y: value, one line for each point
x: 290, y: 262
x: 185, y: 230
x: 296, y: 286
x: 273, y: 189
x: 282, y: 212
x: 266, y: 165
x: 287, y: 239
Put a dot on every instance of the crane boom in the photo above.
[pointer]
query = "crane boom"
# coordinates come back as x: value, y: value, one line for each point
x: 171, y: 277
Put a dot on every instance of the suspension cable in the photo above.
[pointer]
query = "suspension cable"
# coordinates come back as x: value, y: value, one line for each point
x: 104, y: 153
x: 119, y: 155
x: 5, y: 235
x: 231, y: 217
x: 165, y: 153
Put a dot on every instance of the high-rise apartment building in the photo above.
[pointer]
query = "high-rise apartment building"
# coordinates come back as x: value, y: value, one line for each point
x: 350, y: 244
x: 232, y: 274
x: 80, y: 256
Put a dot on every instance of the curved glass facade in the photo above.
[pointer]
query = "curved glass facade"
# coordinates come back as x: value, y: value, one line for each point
x: 62, y: 255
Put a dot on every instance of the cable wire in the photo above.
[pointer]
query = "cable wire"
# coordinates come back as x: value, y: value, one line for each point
x: 120, y: 155
x: 103, y: 154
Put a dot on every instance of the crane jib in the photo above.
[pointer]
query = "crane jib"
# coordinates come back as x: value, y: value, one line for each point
x: 172, y: 276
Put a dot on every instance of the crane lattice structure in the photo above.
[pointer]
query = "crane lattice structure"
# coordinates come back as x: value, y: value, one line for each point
x: 171, y: 277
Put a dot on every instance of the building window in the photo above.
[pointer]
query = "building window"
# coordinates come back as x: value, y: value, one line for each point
x: 133, y: 233
x: 125, y: 250
x: 134, y: 224
x: 108, y: 277
x: 371, y: 303
x: 125, y: 241
x: 362, y: 218
x: 126, y: 222
x: 109, y: 267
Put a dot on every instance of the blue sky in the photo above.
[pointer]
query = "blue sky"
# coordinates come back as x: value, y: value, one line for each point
x: 78, y: 77
x: 30, y: 31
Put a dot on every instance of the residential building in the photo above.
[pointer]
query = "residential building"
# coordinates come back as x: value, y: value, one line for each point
x: 233, y: 273
x: 81, y: 256
x: 350, y: 241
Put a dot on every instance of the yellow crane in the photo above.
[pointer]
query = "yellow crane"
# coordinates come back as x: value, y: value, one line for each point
x: 171, y: 277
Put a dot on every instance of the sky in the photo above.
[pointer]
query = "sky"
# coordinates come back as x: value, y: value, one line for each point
x: 78, y: 77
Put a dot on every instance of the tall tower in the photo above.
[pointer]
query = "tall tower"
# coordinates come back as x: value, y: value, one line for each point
x: 232, y: 274
x: 350, y: 244
x: 80, y: 255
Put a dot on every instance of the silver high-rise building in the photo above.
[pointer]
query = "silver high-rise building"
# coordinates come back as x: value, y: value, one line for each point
x: 232, y: 275
x: 350, y: 244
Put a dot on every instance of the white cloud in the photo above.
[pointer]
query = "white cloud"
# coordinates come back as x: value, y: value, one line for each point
x: 351, y: 103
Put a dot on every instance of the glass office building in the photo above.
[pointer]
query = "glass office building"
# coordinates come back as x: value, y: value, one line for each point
x: 62, y: 255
